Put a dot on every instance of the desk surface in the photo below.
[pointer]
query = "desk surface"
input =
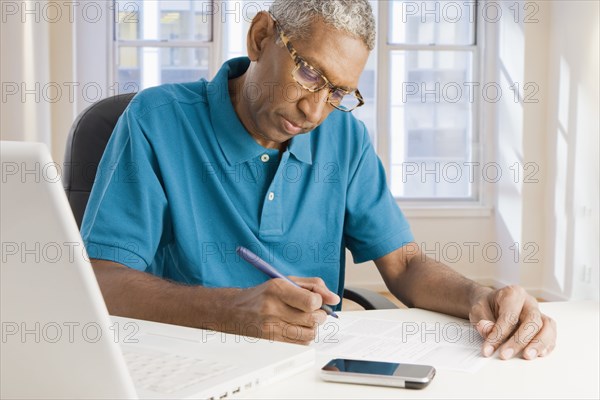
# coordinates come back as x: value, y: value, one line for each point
x: 571, y: 371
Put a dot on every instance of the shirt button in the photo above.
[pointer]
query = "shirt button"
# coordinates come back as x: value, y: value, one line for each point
x: 271, y: 196
x: 264, y: 158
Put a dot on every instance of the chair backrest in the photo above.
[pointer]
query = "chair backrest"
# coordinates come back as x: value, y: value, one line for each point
x: 86, y: 143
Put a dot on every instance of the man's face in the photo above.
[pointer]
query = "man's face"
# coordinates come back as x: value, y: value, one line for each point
x: 275, y: 108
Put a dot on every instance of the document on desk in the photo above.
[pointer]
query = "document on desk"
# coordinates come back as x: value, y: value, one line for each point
x: 444, y: 345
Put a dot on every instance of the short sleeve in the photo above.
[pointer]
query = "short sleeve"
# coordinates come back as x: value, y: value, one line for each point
x: 374, y: 225
x: 126, y: 214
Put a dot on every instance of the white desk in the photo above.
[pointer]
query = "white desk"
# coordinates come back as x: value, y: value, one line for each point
x: 571, y: 371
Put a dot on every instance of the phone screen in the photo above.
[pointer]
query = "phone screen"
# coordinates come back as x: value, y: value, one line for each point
x: 408, y: 371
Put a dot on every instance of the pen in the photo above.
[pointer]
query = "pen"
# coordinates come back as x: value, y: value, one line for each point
x: 268, y: 269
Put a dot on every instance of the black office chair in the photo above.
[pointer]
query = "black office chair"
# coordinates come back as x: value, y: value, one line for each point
x: 85, y: 145
x: 88, y: 138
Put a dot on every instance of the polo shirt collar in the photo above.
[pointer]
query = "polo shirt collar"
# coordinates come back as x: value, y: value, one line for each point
x: 300, y: 148
x: 236, y: 143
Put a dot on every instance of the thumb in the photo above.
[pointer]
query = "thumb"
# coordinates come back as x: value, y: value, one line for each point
x: 483, y: 319
x: 481, y: 311
x: 484, y: 327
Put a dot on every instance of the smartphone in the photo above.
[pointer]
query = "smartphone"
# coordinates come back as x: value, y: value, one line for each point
x: 411, y: 376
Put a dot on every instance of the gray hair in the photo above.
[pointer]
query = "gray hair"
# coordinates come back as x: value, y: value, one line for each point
x: 351, y: 16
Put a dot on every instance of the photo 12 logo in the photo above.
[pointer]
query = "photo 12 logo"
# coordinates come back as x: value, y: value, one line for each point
x: 30, y: 172
x: 51, y: 11
x: 54, y: 92
x: 67, y: 332
x: 455, y: 12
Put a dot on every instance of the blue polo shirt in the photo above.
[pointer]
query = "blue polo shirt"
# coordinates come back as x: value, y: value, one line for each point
x: 182, y: 183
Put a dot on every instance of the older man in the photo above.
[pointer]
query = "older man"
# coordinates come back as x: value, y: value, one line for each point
x: 269, y: 156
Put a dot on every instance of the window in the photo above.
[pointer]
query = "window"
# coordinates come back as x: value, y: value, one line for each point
x: 160, y: 42
x: 418, y: 83
x: 431, y: 53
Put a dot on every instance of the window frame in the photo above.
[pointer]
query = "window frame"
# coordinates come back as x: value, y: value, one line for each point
x: 478, y: 205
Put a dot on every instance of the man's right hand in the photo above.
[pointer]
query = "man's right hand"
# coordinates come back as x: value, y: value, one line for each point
x: 278, y: 310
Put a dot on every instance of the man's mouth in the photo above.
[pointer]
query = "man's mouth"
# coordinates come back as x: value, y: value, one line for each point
x: 291, y: 127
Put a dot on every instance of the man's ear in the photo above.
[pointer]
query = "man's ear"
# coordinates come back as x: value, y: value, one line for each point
x: 261, y: 29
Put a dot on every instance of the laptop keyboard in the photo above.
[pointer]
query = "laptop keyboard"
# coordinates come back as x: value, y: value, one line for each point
x: 168, y: 373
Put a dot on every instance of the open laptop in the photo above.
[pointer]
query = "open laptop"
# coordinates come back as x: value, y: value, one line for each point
x: 58, y: 340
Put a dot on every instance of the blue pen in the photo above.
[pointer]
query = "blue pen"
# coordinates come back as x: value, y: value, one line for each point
x: 268, y: 269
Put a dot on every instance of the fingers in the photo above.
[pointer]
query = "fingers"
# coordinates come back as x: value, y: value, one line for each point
x: 275, y: 310
x: 481, y: 311
x: 297, y: 305
x: 482, y: 316
x: 290, y: 324
x: 296, y: 297
x: 277, y: 329
x: 509, y: 303
x: 304, y: 319
x: 289, y: 332
x: 544, y: 342
x: 301, y: 314
x: 530, y: 326
x: 317, y: 285
x: 510, y: 321
x: 484, y: 327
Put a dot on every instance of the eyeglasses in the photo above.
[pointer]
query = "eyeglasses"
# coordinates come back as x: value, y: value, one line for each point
x: 312, y: 80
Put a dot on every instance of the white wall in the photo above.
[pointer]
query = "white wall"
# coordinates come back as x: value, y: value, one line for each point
x: 572, y: 150
x: 37, y: 73
x: 42, y: 88
x: 520, y: 141
x: 24, y: 55
x: 466, y: 243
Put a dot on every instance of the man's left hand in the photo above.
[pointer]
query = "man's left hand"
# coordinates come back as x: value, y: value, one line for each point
x: 510, y: 321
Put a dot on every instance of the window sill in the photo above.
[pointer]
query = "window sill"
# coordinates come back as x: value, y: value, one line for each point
x: 415, y: 210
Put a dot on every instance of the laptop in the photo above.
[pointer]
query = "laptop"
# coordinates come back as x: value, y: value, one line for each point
x: 58, y: 340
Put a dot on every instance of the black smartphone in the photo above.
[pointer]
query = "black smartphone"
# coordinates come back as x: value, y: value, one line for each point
x: 411, y: 376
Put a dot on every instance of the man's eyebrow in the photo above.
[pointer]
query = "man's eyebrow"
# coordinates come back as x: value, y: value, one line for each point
x: 315, y: 64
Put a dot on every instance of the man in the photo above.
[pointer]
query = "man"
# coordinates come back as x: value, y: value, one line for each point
x: 268, y: 156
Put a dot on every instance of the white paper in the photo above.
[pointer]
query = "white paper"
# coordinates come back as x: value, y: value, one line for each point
x: 444, y: 345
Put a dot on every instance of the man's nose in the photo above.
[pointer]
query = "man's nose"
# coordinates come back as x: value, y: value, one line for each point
x: 314, y: 106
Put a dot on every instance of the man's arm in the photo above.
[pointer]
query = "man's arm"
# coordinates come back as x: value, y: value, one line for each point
x: 420, y: 281
x: 507, y: 318
x: 275, y: 310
